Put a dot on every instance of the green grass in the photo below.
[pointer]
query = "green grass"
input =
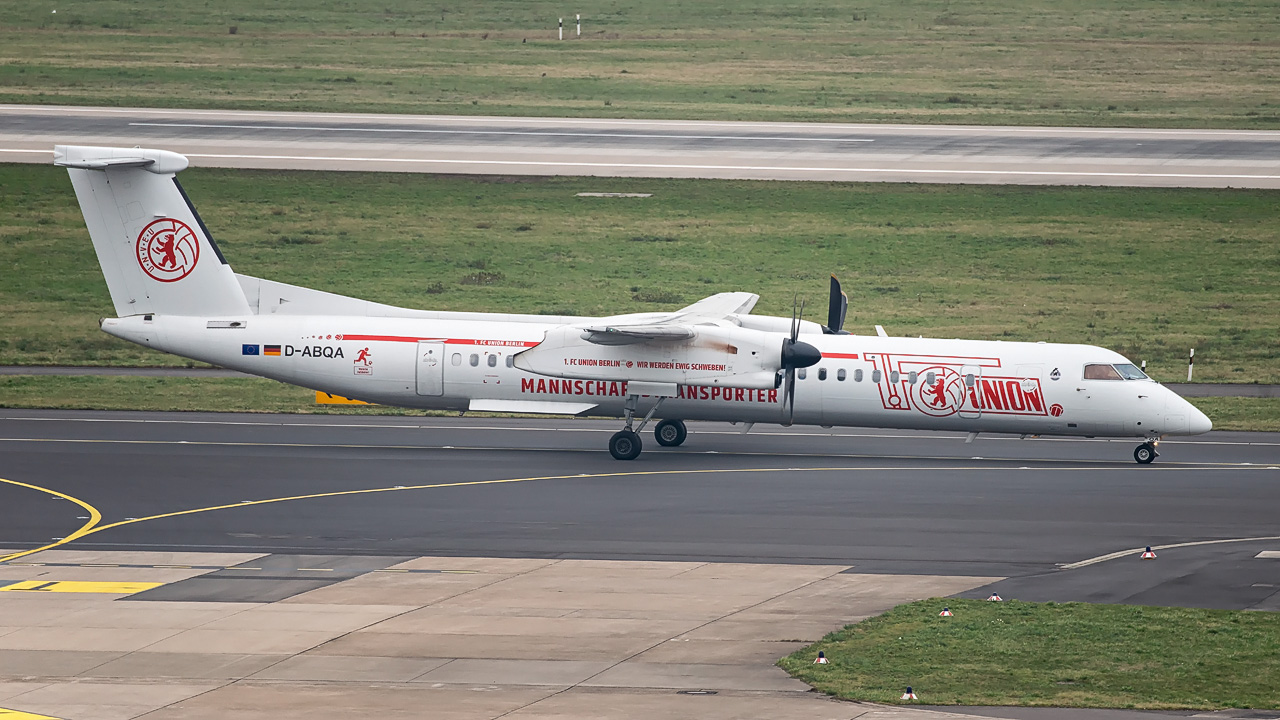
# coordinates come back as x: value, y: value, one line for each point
x: 1104, y: 62
x: 1241, y: 413
x: 172, y: 394
x: 1048, y: 654
x: 260, y: 395
x: 1147, y: 272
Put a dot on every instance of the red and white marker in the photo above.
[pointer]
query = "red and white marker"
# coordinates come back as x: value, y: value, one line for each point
x: 1148, y: 554
x: 946, y: 612
x: 908, y: 695
x: 995, y: 597
x: 822, y: 659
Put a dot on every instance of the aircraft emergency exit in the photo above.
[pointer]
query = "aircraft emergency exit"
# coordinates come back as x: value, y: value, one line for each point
x: 713, y: 360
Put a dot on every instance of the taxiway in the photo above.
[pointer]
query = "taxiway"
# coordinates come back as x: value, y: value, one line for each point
x: 193, y: 565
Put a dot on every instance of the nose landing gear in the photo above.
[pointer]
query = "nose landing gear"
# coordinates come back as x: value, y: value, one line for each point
x: 1146, y: 452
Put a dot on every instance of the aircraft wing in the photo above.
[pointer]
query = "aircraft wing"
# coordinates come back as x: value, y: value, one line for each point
x: 720, y: 305
x: 669, y: 327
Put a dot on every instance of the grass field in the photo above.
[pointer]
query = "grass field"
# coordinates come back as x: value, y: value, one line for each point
x: 1049, y: 654
x: 1147, y: 272
x: 259, y: 395
x: 1104, y: 62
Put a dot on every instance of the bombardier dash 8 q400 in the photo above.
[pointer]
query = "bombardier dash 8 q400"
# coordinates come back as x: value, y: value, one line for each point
x: 713, y: 360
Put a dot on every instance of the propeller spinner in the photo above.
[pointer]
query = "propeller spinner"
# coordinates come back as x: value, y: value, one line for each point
x: 795, y: 354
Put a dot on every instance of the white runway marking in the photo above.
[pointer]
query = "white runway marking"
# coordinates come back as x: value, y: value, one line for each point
x: 1135, y: 551
x: 1054, y: 464
x: 684, y: 166
x: 530, y: 133
x: 610, y: 430
x: 858, y: 127
x: 756, y: 168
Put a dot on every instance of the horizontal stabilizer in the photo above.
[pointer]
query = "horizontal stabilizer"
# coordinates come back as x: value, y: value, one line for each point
x: 160, y: 162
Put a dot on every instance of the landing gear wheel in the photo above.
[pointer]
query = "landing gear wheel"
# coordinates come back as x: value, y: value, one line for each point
x: 670, y: 433
x: 624, y: 445
x: 1145, y: 453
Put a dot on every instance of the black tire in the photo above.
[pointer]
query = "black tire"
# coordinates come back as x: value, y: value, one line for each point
x: 1145, y: 453
x: 671, y: 433
x: 624, y: 445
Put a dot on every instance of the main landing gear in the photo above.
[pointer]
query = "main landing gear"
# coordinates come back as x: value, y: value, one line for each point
x: 1146, y: 452
x: 670, y: 433
x: 625, y: 444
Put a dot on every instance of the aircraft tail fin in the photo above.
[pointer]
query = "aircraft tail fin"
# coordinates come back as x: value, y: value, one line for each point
x: 156, y: 254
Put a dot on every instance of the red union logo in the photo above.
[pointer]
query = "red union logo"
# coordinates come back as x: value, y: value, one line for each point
x: 167, y: 250
x: 941, y: 386
x: 1055, y: 410
x: 944, y: 396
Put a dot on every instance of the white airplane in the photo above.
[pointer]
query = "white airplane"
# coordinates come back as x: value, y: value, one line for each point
x: 713, y: 360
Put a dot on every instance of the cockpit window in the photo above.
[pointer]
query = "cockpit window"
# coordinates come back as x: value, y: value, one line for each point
x: 1101, y: 372
x: 1130, y: 372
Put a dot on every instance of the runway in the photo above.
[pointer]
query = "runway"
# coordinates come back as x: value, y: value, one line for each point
x: 645, y: 148
x: 884, y: 502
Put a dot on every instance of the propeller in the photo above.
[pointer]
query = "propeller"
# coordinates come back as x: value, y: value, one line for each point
x: 795, y: 354
x: 837, y: 307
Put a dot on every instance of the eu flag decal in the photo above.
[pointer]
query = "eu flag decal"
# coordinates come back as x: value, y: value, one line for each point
x: 248, y: 349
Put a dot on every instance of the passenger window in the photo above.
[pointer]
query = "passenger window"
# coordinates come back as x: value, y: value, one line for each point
x: 493, y: 361
x: 875, y: 376
x: 930, y: 377
x: 456, y: 359
x: 968, y: 380
x: 822, y: 373
x: 857, y: 375
x: 840, y: 374
x: 802, y: 373
x: 1100, y: 372
x: 511, y: 361
x: 475, y: 360
x: 893, y: 376
x: 912, y: 376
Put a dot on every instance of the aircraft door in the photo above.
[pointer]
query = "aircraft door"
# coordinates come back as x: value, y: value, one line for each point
x: 971, y: 377
x: 430, y: 368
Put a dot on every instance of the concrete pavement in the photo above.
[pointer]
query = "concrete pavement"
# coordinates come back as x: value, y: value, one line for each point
x: 465, y: 637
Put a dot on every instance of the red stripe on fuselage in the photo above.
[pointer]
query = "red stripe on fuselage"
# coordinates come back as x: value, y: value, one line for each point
x: 447, y: 341
x: 840, y: 356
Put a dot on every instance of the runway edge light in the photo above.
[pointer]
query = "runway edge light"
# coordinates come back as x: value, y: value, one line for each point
x: 946, y: 612
x: 822, y: 659
x: 909, y: 695
x: 1148, y: 554
x: 995, y: 597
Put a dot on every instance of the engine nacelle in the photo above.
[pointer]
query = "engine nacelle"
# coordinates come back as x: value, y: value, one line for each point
x: 724, y: 355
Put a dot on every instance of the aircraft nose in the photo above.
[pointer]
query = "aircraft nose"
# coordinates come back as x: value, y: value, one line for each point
x: 1197, y: 422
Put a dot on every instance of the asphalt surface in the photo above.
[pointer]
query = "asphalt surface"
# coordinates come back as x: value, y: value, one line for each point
x: 658, y: 148
x: 886, y: 502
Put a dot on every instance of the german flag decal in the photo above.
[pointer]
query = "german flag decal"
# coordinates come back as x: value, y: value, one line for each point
x: 271, y: 350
